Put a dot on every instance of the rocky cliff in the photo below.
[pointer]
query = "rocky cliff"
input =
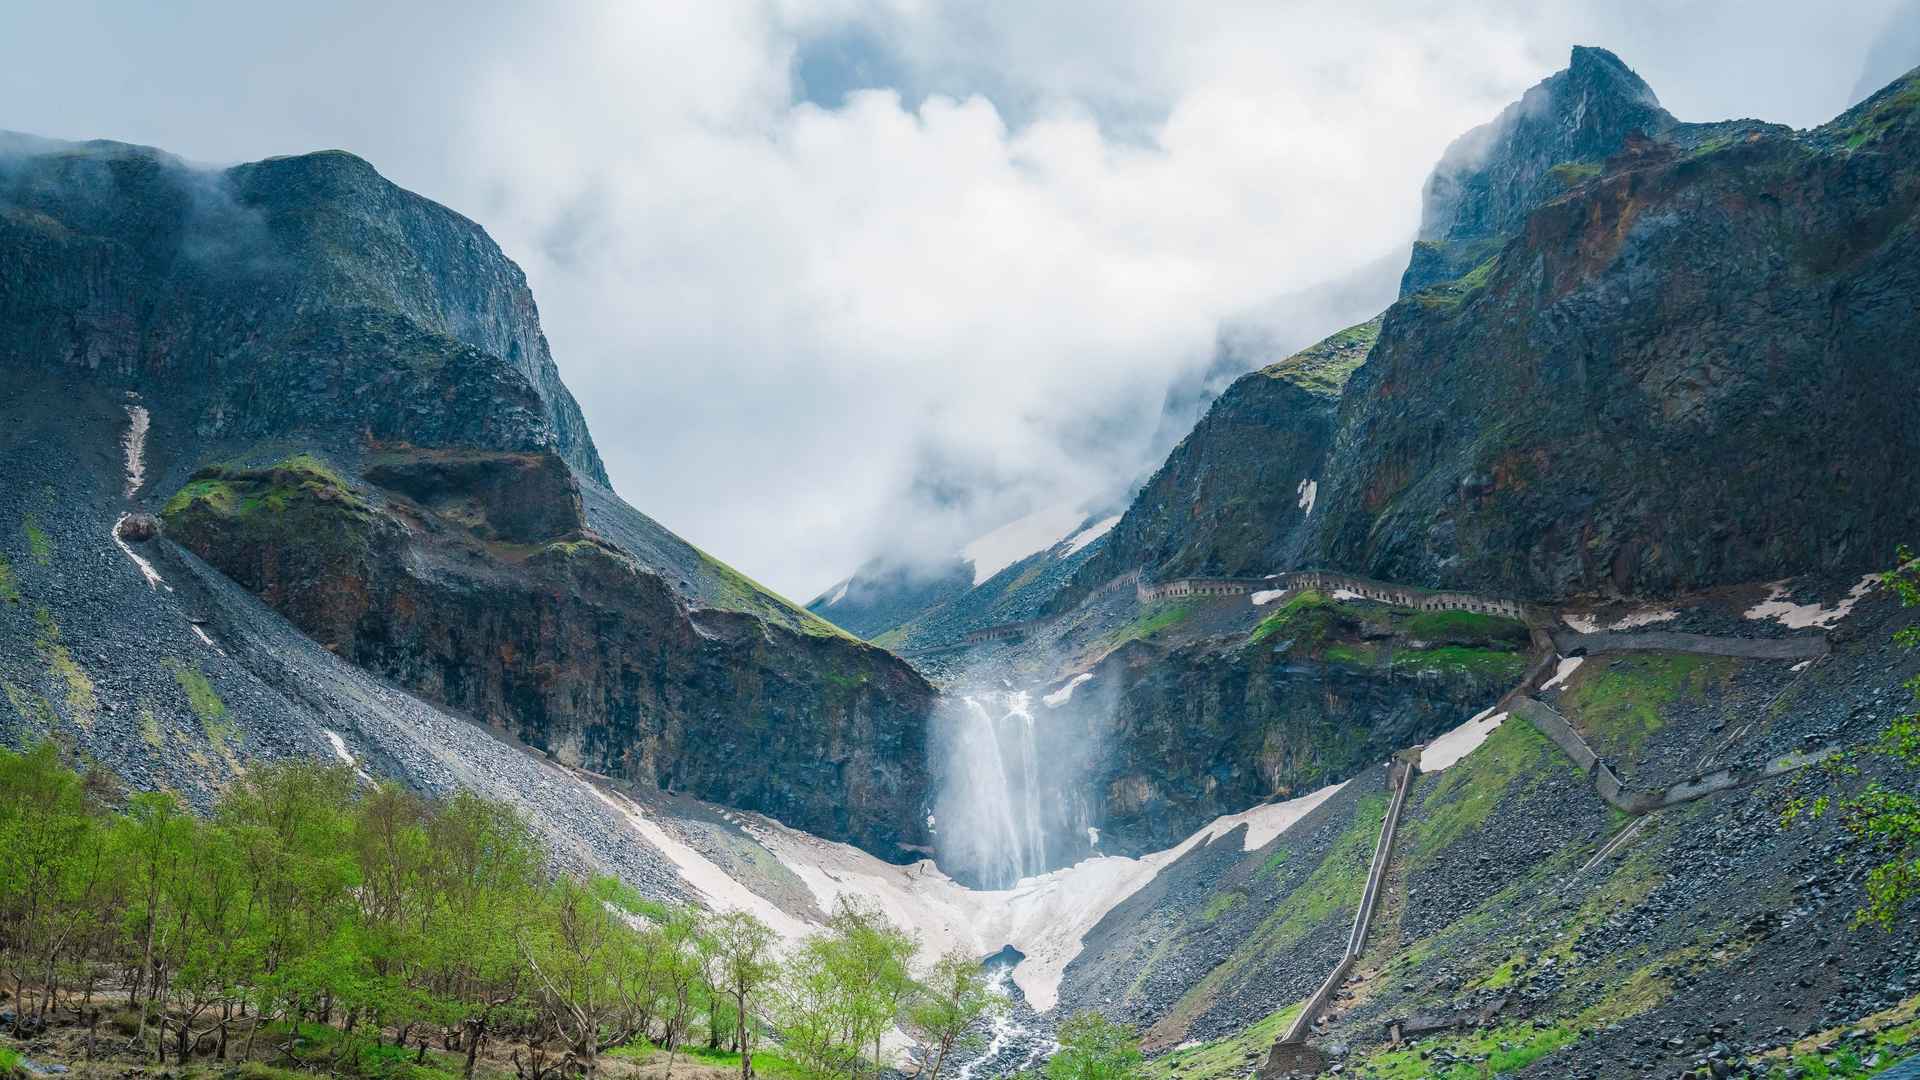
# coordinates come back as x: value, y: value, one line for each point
x: 353, y: 412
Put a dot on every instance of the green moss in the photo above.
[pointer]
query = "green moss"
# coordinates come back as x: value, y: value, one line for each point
x: 1514, y: 756
x: 739, y: 592
x: 1494, y: 664
x: 1448, y: 296
x: 233, y: 491
x: 1333, y: 889
x: 81, y: 700
x: 1574, y: 173
x: 1324, y: 367
x: 34, y: 709
x: 1483, y: 1054
x: 203, y: 699
x: 1620, y: 705
x: 1223, y: 1057
x: 150, y: 728
x: 1221, y: 903
x: 1878, y: 117
x: 1362, y: 655
x: 1305, y: 616
x: 9, y: 587
x: 39, y: 544
x: 1465, y: 627
x: 1151, y: 622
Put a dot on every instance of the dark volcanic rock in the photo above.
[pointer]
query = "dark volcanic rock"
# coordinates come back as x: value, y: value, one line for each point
x: 404, y: 476
x: 1689, y: 371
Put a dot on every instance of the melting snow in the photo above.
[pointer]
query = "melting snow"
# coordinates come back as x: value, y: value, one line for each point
x: 340, y: 751
x: 1347, y: 594
x: 1461, y: 741
x: 1016, y: 540
x: 1800, y: 616
x: 154, y: 580
x: 1045, y: 917
x: 1064, y: 694
x: 1307, y: 491
x: 1646, y: 618
x: 1091, y: 533
x: 1585, y: 624
x: 839, y: 594
x: 1801, y: 666
x: 1568, y: 665
x: 1267, y: 596
x: 135, y: 445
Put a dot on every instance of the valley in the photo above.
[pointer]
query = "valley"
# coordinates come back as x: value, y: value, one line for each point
x: 1504, y: 685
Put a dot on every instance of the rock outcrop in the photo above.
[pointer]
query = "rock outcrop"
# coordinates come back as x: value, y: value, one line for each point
x: 354, y: 414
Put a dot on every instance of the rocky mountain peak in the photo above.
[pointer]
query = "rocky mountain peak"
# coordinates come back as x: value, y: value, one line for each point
x: 1552, y: 138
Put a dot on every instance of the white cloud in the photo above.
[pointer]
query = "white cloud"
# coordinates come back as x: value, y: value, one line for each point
x: 804, y: 334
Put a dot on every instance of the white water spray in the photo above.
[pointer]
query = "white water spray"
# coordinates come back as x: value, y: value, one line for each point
x: 992, y: 818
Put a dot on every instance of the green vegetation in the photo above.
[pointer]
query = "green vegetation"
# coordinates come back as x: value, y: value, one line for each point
x: 1448, y: 296
x: 1324, y: 367
x: 39, y: 544
x: 741, y: 593
x: 1216, y: 1059
x: 1572, y: 174
x: 202, y: 698
x: 349, y: 928
x: 1093, y: 1047
x: 1362, y: 655
x: 1333, y: 889
x: 1465, y: 627
x: 34, y: 709
x: 1478, y: 1055
x: 1881, y: 116
x: 1884, y: 816
x: 1151, y: 622
x: 1222, y: 902
x: 1493, y: 664
x: 1889, y: 1036
x: 9, y: 1062
x: 237, y: 491
x: 9, y: 586
x: 81, y: 701
x: 1466, y: 794
x: 1306, y: 616
x: 1619, y: 706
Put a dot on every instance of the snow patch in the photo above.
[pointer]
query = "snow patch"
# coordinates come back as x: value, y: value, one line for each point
x: 1347, y: 594
x: 1585, y: 624
x: 1065, y: 694
x: 1267, y: 596
x: 339, y: 746
x: 1016, y: 540
x: 1801, y: 666
x: 1646, y: 618
x: 1308, y: 491
x: 1461, y: 741
x: 154, y: 580
x: 839, y: 594
x: 134, y: 444
x: 1779, y: 608
x: 1091, y: 533
x: 1567, y: 666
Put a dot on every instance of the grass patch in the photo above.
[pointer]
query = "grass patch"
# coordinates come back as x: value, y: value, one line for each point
x: 1448, y: 296
x: 1882, y: 117
x: 1152, y: 622
x: 1362, y: 655
x: 1467, y: 793
x: 1479, y: 1055
x: 81, y: 700
x: 39, y: 544
x: 1333, y: 889
x: 741, y: 593
x: 150, y: 728
x: 1324, y: 367
x: 1621, y: 704
x: 1306, y: 615
x: 1221, y: 903
x: 1572, y: 174
x: 9, y: 1061
x: 34, y: 709
x: 9, y: 585
x: 1465, y: 627
x: 1222, y: 1057
x: 203, y: 699
x: 765, y: 1062
x: 1497, y: 664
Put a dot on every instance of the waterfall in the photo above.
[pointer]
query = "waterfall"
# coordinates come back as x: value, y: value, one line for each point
x: 992, y: 814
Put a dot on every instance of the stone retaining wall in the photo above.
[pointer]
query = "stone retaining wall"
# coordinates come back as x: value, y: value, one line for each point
x: 1803, y: 647
x: 1326, y: 581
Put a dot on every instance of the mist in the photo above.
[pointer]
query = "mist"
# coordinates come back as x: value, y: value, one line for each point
x: 869, y: 278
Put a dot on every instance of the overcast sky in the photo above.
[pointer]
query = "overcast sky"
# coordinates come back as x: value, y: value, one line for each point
x: 858, y: 275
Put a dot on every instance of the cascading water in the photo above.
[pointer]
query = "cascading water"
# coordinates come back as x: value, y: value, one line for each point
x: 1009, y: 804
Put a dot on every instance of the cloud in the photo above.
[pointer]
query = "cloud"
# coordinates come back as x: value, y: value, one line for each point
x: 812, y: 319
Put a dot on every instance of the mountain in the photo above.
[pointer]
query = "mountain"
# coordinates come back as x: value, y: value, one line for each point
x: 337, y: 393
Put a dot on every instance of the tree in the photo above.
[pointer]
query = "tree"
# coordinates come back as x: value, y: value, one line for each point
x: 1093, y: 1047
x: 1884, y: 817
x: 742, y: 964
x: 844, y: 989
x: 954, y: 997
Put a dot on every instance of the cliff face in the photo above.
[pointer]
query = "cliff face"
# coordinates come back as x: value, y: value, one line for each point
x: 356, y: 416
x: 1234, y: 497
x: 1635, y: 356
x: 1688, y: 371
